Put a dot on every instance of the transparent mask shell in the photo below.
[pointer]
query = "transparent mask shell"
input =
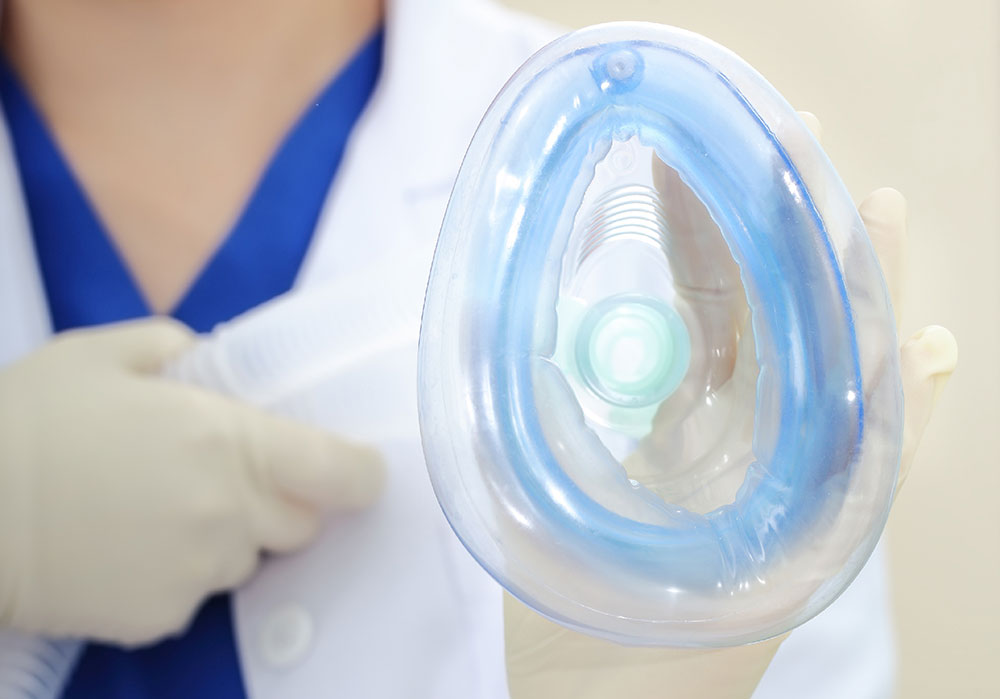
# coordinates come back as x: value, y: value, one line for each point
x: 659, y: 389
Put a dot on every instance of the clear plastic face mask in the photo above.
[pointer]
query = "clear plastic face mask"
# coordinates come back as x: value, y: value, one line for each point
x: 659, y: 392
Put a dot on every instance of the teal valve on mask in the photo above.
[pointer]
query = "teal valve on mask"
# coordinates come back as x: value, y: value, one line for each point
x: 628, y: 352
x: 632, y: 351
x: 659, y: 391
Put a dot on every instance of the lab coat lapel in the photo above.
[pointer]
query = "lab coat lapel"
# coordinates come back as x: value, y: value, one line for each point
x: 444, y: 62
x: 24, y: 317
x: 30, y: 665
x: 402, y: 151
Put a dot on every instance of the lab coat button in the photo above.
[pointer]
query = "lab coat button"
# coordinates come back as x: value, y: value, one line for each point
x: 285, y: 636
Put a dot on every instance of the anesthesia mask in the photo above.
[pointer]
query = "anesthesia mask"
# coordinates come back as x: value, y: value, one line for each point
x: 658, y: 382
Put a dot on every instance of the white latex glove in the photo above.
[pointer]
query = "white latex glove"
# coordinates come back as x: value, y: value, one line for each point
x: 126, y: 498
x: 545, y: 660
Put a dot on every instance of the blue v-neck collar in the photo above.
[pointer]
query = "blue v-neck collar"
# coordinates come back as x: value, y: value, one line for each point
x: 85, y: 278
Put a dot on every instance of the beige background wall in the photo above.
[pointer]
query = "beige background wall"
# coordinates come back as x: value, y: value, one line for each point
x: 909, y: 95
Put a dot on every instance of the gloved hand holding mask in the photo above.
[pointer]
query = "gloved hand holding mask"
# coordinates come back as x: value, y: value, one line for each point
x: 548, y: 660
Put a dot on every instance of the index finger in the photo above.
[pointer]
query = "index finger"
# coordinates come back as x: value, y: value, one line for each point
x: 884, y: 214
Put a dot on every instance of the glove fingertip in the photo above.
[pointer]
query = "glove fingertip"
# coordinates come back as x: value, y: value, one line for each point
x: 143, y: 345
x: 371, y: 483
x: 933, y: 350
x: 884, y: 202
x: 812, y: 123
x: 351, y: 477
x: 329, y: 473
x: 931, y: 354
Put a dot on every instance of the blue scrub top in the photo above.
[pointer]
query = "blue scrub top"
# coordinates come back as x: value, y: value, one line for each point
x: 87, y: 283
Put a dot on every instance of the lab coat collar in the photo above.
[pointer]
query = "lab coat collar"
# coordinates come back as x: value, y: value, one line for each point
x: 445, y: 60
x: 24, y: 316
x: 415, y: 99
x: 437, y: 79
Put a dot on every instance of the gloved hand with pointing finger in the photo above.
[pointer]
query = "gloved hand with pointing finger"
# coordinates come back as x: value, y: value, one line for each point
x: 127, y: 498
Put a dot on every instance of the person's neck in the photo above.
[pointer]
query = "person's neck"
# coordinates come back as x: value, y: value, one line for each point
x: 168, y: 110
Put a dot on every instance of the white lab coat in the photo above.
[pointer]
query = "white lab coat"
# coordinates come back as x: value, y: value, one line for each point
x: 387, y: 604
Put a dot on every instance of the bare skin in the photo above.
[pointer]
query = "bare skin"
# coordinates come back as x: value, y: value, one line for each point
x: 168, y: 111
